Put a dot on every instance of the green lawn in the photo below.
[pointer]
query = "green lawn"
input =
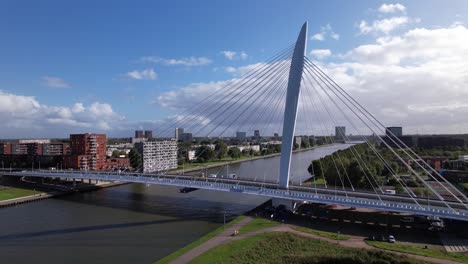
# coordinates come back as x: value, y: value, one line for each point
x: 257, y: 224
x: 198, y: 242
x: 11, y: 192
x: 319, y: 181
x: 408, y: 248
x: 279, y: 247
x: 465, y: 185
x: 321, y: 233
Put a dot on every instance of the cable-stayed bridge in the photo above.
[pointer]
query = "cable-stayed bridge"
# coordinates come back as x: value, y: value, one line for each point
x: 290, y: 93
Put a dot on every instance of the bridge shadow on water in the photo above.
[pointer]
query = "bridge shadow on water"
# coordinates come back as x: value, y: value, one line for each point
x: 63, y: 231
x: 198, y: 205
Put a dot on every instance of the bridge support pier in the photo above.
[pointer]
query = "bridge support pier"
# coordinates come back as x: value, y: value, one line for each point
x: 290, y: 113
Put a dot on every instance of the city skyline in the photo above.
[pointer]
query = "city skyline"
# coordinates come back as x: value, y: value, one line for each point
x: 71, y: 80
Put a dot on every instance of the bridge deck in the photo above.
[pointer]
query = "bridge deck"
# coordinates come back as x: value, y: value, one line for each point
x: 369, y: 200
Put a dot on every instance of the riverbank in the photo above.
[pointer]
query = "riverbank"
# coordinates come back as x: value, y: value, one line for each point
x: 55, y: 193
x: 219, y: 163
x: 262, y: 245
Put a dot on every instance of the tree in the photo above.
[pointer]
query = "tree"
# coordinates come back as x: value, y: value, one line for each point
x: 221, y: 149
x: 305, y: 143
x: 234, y: 152
x: 315, y: 168
x: 135, y: 159
x: 204, y: 154
x: 115, y: 153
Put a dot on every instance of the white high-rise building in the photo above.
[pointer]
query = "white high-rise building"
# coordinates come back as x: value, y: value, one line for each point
x: 178, y: 133
x: 158, y: 155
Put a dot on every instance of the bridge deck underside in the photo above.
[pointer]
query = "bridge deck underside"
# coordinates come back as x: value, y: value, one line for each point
x: 314, y: 195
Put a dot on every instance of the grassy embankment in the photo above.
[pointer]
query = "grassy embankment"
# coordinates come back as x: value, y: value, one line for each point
x: 195, y: 164
x: 277, y: 247
x: 12, y: 192
x: 257, y: 224
x: 325, y: 234
x: 198, y: 242
x: 408, y: 248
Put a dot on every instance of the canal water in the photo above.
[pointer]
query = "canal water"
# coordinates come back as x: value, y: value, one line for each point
x: 131, y: 223
x: 267, y: 170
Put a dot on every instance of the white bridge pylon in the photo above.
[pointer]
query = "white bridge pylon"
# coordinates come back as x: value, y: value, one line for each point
x: 290, y: 113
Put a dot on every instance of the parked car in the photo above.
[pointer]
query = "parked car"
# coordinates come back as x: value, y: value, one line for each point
x: 391, y: 239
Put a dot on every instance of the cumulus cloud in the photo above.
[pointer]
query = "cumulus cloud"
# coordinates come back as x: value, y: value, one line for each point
x: 320, y: 53
x: 54, y: 82
x: 20, y: 115
x: 417, y: 79
x: 146, y: 74
x: 189, y: 61
x: 385, y: 26
x: 233, y: 55
x: 325, y: 31
x: 392, y: 8
x: 229, y: 54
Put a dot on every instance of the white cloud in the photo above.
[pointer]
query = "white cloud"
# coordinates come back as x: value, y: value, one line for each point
x: 147, y: 74
x: 243, y: 69
x: 190, y: 61
x: 243, y: 55
x: 233, y: 55
x: 318, y: 36
x: 320, y: 53
x: 23, y: 116
x: 384, y: 25
x: 417, y: 79
x: 392, y: 8
x: 324, y: 32
x: 54, y: 82
x: 229, y: 54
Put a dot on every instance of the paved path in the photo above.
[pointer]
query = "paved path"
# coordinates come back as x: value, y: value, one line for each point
x: 225, y: 236
x: 221, y: 238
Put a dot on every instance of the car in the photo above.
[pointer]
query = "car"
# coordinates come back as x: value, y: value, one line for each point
x: 212, y: 176
x: 391, y: 239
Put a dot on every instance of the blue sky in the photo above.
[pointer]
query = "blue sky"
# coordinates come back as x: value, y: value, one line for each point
x: 60, y: 53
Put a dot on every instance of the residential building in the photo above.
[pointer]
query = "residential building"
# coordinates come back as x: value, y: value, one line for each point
x: 139, y: 134
x: 394, y: 131
x: 34, y: 149
x: 191, y: 155
x: 38, y: 141
x: 340, y: 133
x: 88, y: 152
x: 5, y: 148
x: 55, y: 149
x: 178, y: 133
x: 148, y: 134
x: 256, y: 135
x: 298, y: 141
x: 255, y: 148
x: 186, y: 137
x: 117, y: 163
x: 19, y: 149
x: 240, y: 135
x: 158, y: 155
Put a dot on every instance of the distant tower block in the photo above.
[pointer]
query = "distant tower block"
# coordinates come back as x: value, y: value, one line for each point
x: 290, y: 113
